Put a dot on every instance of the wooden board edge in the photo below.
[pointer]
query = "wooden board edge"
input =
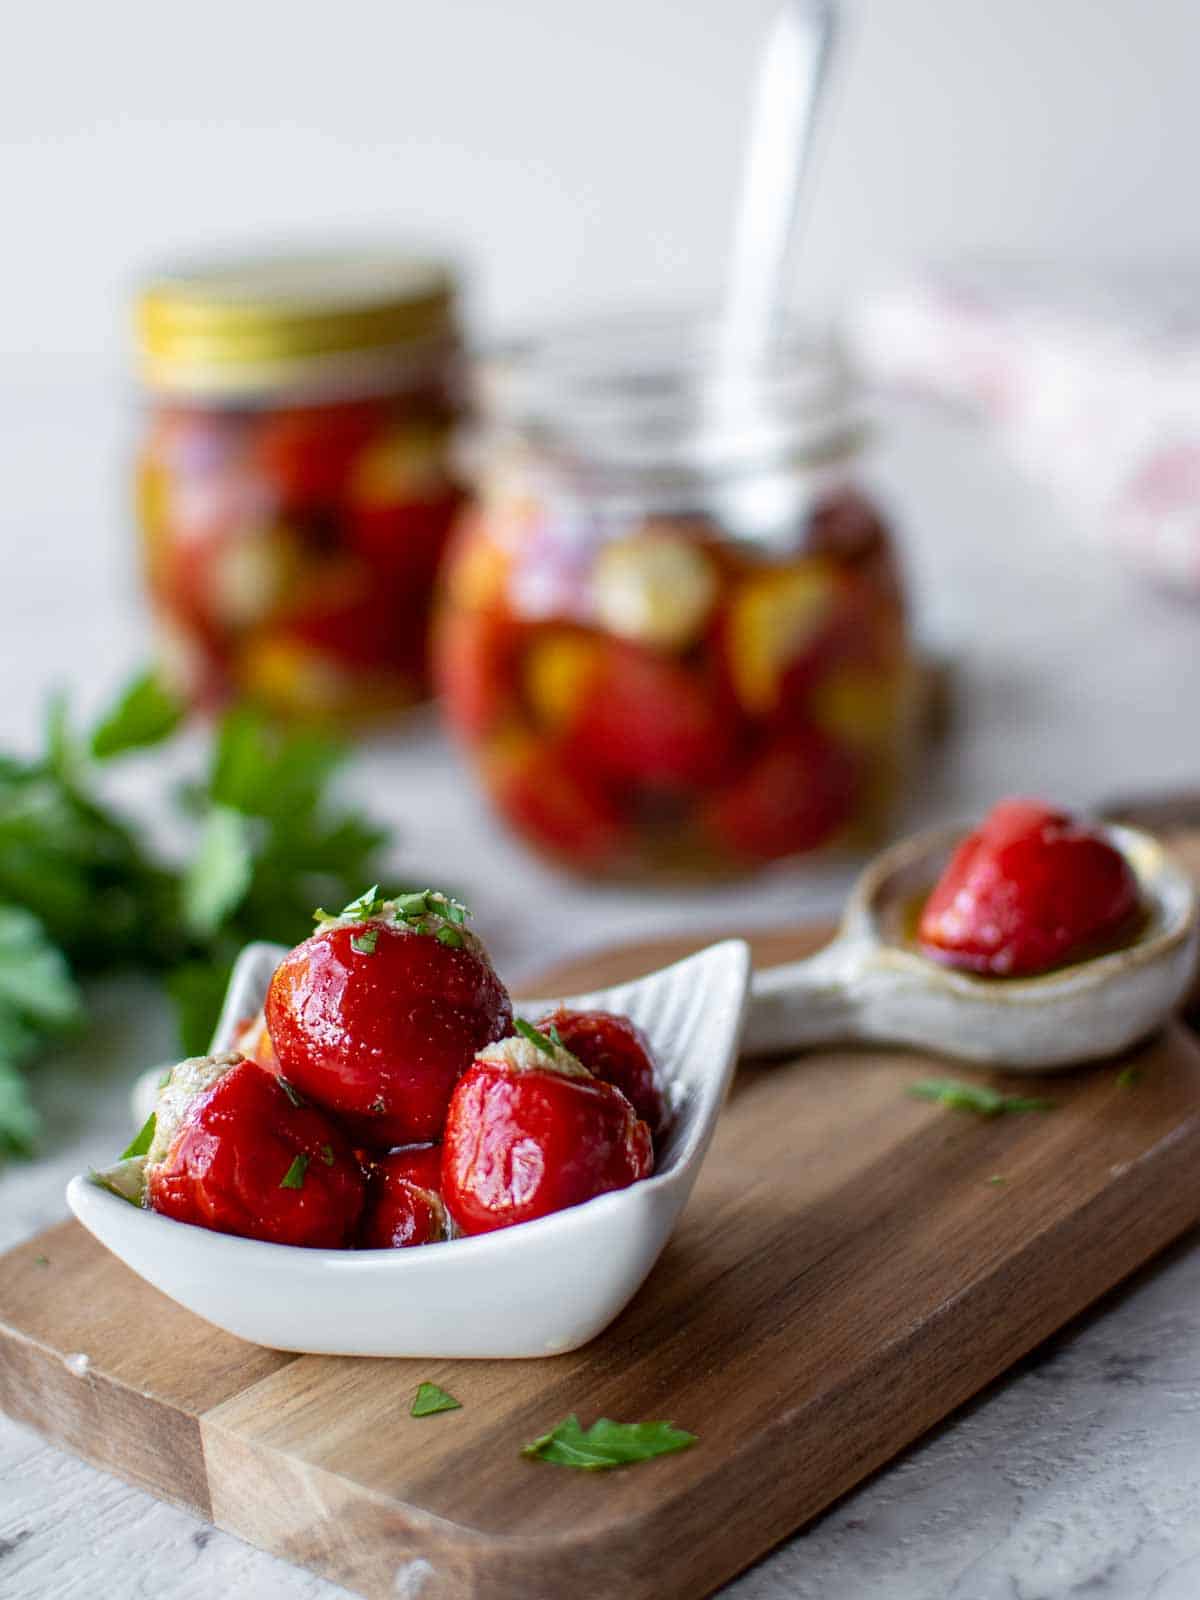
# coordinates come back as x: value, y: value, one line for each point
x: 148, y: 1442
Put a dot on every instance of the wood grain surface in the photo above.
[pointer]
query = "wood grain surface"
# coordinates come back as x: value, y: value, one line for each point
x: 847, y: 1273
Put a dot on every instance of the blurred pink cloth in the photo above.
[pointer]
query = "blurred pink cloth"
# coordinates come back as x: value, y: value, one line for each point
x: 1094, y: 387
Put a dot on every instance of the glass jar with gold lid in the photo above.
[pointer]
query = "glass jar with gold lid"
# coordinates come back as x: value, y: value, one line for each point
x: 673, y: 634
x: 295, y: 491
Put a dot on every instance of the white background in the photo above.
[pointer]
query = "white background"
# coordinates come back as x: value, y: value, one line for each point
x: 577, y: 154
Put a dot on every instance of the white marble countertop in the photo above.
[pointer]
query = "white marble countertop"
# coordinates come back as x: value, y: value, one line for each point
x: 1079, y: 1474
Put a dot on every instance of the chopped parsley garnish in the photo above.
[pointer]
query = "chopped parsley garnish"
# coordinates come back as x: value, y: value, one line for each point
x: 1129, y: 1077
x: 293, y: 1178
x: 142, y: 1141
x: 412, y: 906
x: 429, y: 1400
x: 291, y: 1091
x: 327, y: 1154
x: 997, y: 1180
x: 528, y: 1031
x: 364, y: 943
x: 976, y: 1097
x: 450, y: 936
x: 556, y: 1037
x: 368, y: 904
x: 607, y: 1444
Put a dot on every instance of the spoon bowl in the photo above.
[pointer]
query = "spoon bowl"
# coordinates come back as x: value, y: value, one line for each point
x: 872, y: 983
x: 532, y: 1290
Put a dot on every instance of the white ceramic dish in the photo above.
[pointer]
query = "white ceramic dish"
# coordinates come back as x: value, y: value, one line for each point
x: 533, y: 1290
x: 869, y: 984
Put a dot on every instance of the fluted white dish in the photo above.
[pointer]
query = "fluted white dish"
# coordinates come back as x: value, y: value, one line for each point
x: 533, y: 1290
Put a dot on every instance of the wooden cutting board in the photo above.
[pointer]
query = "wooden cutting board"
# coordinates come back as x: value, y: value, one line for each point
x: 853, y: 1265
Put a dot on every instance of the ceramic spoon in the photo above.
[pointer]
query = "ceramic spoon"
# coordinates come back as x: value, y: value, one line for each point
x: 872, y: 983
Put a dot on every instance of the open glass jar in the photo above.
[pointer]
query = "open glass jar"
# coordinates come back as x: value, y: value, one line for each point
x: 672, y: 630
x: 295, y: 493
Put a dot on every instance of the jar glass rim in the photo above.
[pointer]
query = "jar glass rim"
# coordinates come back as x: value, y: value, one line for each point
x: 653, y: 393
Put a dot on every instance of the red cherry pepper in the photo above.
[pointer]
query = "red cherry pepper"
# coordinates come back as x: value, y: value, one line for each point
x: 574, y: 820
x: 524, y: 1139
x: 245, y: 1159
x: 794, y: 796
x: 1029, y: 890
x: 647, y: 720
x: 615, y: 1049
x: 380, y: 1034
x: 404, y: 1204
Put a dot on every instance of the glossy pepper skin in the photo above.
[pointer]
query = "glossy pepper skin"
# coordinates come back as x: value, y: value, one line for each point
x: 615, y: 1049
x: 227, y: 1161
x: 404, y: 1204
x: 524, y: 1141
x: 380, y: 1037
x: 1030, y: 890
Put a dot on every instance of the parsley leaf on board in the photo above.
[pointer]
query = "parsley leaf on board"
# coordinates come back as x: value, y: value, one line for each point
x: 429, y: 1400
x: 976, y: 1097
x: 607, y: 1444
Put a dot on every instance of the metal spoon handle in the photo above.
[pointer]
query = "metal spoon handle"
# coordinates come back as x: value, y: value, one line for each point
x: 787, y: 95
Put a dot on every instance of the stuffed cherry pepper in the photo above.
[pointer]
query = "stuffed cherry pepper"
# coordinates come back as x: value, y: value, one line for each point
x: 1031, y: 889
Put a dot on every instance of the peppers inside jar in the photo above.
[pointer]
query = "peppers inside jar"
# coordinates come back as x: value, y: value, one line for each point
x: 294, y: 486
x: 655, y: 668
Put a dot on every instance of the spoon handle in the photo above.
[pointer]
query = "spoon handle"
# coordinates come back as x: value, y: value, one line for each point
x: 791, y: 76
x: 816, y: 1001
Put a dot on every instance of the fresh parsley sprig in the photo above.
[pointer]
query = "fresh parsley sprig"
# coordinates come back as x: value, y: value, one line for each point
x: 82, y: 894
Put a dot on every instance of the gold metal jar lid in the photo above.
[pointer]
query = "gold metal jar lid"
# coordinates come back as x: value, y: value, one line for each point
x: 262, y: 324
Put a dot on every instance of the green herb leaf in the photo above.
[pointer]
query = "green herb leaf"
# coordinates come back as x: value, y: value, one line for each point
x: 291, y: 1091
x: 364, y: 943
x: 429, y: 1399
x: 411, y: 906
x: 293, y: 1178
x: 997, y: 1180
x: 607, y: 1444
x: 1129, y: 1077
x: 446, y: 906
x: 20, y: 1124
x: 139, y: 1145
x: 146, y: 714
x: 450, y: 936
x: 528, y: 1031
x: 327, y: 1154
x: 125, y: 1178
x: 35, y: 981
x: 216, y: 882
x: 368, y: 904
x: 556, y: 1037
x: 38, y: 999
x: 976, y: 1097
